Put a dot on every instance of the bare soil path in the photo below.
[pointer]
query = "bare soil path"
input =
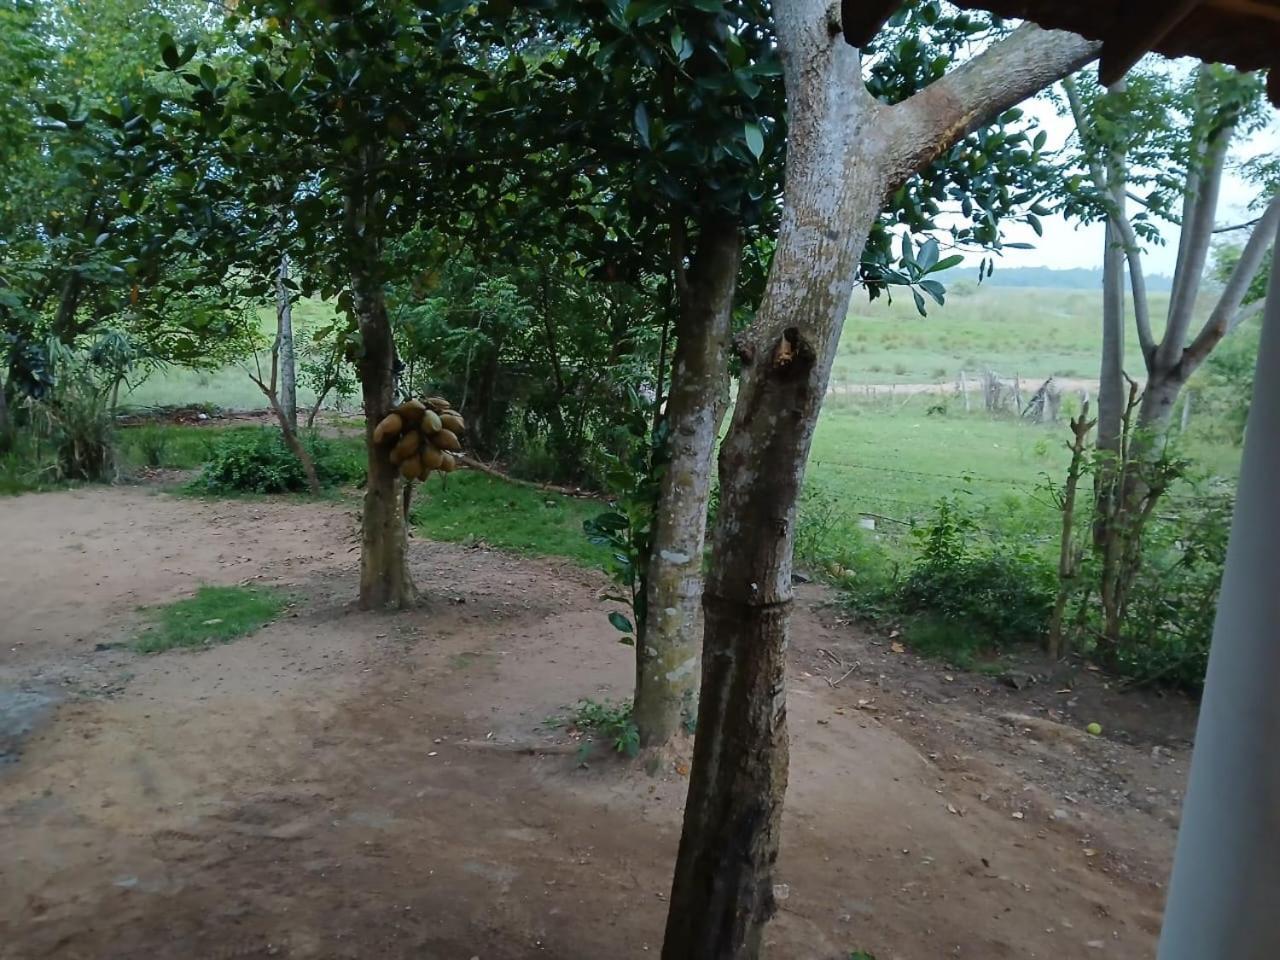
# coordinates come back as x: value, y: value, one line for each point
x: 348, y: 785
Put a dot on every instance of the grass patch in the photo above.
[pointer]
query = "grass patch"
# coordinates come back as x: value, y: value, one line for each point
x: 469, y: 507
x: 213, y: 615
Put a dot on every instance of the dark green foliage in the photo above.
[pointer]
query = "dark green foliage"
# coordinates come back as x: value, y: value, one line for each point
x: 1000, y: 592
x: 626, y: 530
x: 1174, y: 599
x: 259, y: 462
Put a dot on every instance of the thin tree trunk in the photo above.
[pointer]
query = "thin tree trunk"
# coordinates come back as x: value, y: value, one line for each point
x: 288, y: 361
x: 294, y: 443
x: 1068, y: 550
x: 667, y: 651
x: 845, y: 152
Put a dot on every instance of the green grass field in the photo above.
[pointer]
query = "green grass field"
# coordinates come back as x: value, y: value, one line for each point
x: 1014, y: 331
x: 228, y: 387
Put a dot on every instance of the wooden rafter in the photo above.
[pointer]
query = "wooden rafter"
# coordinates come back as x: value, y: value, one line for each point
x: 1140, y: 28
x: 1243, y: 33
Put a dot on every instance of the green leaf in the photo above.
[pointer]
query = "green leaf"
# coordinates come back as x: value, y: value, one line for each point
x: 642, y: 123
x: 946, y: 263
x: 620, y: 623
x: 928, y: 255
x: 169, y: 52
x: 755, y: 138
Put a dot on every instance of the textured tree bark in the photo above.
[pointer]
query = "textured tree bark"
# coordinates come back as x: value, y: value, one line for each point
x: 384, y: 567
x: 845, y: 152
x: 668, y: 651
x: 288, y: 359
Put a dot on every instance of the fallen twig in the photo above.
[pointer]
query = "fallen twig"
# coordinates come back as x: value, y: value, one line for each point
x: 836, y: 683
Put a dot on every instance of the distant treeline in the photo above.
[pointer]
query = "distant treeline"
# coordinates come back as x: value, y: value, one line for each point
x: 1077, y: 278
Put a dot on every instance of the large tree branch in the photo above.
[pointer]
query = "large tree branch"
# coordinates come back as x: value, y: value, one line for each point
x: 1002, y: 76
x: 1226, y: 313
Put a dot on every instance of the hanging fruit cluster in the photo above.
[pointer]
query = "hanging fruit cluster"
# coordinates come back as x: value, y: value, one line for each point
x: 421, y: 436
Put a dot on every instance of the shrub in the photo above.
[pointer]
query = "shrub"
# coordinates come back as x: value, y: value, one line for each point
x: 1000, y: 592
x: 1170, y: 615
x: 259, y: 462
x: 153, y: 445
x: 75, y: 418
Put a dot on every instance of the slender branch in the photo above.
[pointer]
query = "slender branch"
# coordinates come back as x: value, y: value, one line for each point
x: 1226, y: 313
x: 1138, y: 284
x: 1238, y: 226
x: 1247, y: 313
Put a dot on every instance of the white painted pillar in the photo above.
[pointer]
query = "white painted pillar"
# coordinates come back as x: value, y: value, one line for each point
x: 1224, y: 898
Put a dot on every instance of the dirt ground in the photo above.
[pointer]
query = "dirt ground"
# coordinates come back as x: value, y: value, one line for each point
x: 348, y: 785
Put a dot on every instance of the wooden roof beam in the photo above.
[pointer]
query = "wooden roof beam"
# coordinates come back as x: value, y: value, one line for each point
x: 1141, y: 27
x: 861, y: 20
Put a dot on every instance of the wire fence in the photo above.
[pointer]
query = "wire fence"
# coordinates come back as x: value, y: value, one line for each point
x: 896, y: 507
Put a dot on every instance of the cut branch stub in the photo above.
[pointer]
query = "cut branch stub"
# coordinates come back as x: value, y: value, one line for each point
x: 793, y: 356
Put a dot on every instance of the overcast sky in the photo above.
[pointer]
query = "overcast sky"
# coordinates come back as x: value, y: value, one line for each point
x: 1067, y: 245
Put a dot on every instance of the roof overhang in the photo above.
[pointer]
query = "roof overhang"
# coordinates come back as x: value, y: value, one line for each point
x: 1243, y: 33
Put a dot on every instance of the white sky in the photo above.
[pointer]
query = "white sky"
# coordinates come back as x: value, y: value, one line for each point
x: 1066, y: 245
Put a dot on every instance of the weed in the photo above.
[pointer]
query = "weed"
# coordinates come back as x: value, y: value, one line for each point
x: 213, y: 615
x: 153, y: 445
x: 610, y: 721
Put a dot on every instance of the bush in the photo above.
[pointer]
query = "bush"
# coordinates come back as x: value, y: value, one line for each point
x: 76, y: 420
x: 259, y: 462
x: 997, y: 592
x: 1169, y: 619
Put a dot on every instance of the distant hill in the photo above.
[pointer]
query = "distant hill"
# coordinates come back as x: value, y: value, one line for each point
x: 1077, y: 278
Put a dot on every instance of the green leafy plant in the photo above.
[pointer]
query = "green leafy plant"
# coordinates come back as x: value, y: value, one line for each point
x: 75, y: 418
x: 635, y: 479
x: 611, y: 721
x: 152, y: 444
x: 998, y: 591
x: 259, y: 462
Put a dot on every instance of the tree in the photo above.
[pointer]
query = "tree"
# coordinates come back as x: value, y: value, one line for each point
x: 847, y: 154
x: 695, y: 175
x: 353, y: 120
x: 1120, y: 146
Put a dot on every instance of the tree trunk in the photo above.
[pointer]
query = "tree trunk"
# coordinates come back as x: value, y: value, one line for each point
x: 288, y: 361
x: 845, y: 152
x: 295, y: 444
x: 384, y: 568
x: 667, y: 652
x: 6, y: 425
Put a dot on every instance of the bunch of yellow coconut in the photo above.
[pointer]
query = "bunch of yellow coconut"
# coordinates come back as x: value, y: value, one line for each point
x: 422, y: 436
